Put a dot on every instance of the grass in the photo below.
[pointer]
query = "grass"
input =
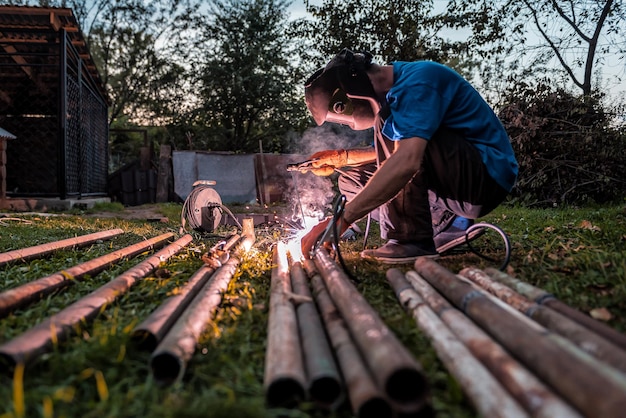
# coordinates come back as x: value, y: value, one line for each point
x: 576, y: 253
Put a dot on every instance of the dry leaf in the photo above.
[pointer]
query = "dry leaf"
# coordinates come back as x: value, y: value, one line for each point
x: 601, y: 314
x: 588, y: 225
x: 548, y: 229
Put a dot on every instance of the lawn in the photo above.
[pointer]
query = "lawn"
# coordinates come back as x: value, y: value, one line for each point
x: 577, y: 254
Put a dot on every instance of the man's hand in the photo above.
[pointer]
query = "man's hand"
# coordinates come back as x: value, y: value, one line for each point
x: 323, y: 163
x: 315, y: 234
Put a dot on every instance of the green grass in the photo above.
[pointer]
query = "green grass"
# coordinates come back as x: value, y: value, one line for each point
x: 576, y: 253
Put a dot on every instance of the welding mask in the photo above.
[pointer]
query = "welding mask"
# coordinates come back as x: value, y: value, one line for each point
x: 342, y: 92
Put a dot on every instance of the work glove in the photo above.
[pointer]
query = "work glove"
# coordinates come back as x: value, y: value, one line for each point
x: 323, y: 163
x: 315, y: 234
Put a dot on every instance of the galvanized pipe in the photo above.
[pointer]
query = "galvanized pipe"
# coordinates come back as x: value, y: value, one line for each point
x: 542, y: 297
x: 325, y: 387
x: 486, y: 393
x: 529, y: 391
x: 393, y: 367
x: 587, y: 384
x: 151, y: 331
x: 40, y: 339
x: 169, y: 360
x: 284, y: 377
x: 29, y: 292
x: 584, y: 338
x: 38, y: 251
x: 366, y: 399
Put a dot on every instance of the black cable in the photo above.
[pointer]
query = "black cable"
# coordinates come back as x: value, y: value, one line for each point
x: 505, y: 238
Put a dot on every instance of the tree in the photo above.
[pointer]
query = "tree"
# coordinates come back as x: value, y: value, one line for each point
x: 248, y: 76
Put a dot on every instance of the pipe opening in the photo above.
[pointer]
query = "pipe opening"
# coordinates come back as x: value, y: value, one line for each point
x: 165, y: 368
x: 144, y: 340
x: 285, y: 392
x: 406, y: 384
x: 375, y: 408
x: 325, y: 391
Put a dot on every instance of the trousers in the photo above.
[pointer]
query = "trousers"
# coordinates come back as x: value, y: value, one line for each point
x: 452, y: 180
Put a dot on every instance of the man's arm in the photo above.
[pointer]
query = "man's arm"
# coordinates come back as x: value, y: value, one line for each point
x: 389, y: 179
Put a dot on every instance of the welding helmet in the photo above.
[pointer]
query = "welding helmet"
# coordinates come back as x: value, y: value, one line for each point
x: 341, y: 92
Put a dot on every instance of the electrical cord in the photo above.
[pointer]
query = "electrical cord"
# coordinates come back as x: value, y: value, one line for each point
x: 505, y: 238
x: 202, y: 195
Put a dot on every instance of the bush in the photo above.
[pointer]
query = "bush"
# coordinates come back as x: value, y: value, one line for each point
x: 568, y: 148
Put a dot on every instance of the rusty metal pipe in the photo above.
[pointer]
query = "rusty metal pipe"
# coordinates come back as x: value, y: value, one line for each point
x: 391, y: 364
x: 587, y: 384
x: 324, y: 381
x: 29, y: 292
x: 41, y: 338
x: 151, y: 331
x: 584, y: 338
x: 489, y: 397
x: 542, y: 297
x: 169, y: 360
x: 366, y: 399
x: 524, y: 386
x: 284, y: 377
x: 42, y: 250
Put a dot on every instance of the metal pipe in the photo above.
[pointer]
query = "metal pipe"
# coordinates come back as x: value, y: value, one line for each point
x: 284, y: 377
x: 151, y: 331
x: 393, y: 367
x: 529, y: 391
x: 169, y: 360
x: 366, y: 399
x: 542, y: 297
x: 587, y: 384
x: 584, y: 338
x: 489, y: 397
x: 39, y: 251
x: 324, y: 381
x: 29, y: 292
x: 41, y: 338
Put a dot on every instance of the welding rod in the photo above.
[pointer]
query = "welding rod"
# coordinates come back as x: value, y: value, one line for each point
x: 42, y: 250
x: 366, y: 399
x: 22, y: 295
x: 41, y: 338
x: 590, y: 386
x: 169, y: 360
x: 544, y: 298
x: 151, y: 331
x: 489, y: 397
x: 284, y: 376
x: 524, y: 386
x: 392, y: 366
x: 581, y: 336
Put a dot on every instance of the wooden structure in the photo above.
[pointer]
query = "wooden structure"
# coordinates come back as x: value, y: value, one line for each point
x: 53, y: 100
x: 4, y: 137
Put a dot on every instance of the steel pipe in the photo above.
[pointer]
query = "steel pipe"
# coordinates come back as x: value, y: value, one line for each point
x: 40, y: 339
x: 324, y: 386
x: 284, y: 377
x: 42, y: 250
x: 29, y: 292
x: 584, y: 338
x: 169, y: 360
x: 542, y: 297
x: 524, y: 386
x: 392, y: 366
x: 489, y: 397
x: 587, y: 384
x: 151, y: 331
x: 366, y: 399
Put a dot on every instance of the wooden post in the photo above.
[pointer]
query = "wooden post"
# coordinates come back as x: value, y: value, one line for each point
x: 3, y: 168
x: 165, y: 174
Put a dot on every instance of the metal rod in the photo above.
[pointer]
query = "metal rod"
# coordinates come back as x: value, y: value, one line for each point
x: 41, y: 338
x: 587, y: 384
x: 489, y: 397
x: 151, y: 331
x: 542, y: 297
x: 366, y: 399
x: 169, y: 360
x: 584, y: 338
x: 524, y: 386
x: 42, y: 250
x: 393, y: 367
x: 324, y: 380
x: 29, y: 292
x: 284, y: 378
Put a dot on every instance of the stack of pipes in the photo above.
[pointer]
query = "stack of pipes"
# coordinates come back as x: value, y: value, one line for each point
x: 325, y: 342
x: 516, y: 350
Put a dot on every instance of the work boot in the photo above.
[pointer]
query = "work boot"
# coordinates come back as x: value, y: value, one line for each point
x: 395, y: 252
x: 454, y: 234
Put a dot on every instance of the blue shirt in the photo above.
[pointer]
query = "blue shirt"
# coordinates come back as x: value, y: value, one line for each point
x: 426, y: 96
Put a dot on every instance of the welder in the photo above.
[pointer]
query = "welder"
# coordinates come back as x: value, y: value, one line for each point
x: 441, y: 157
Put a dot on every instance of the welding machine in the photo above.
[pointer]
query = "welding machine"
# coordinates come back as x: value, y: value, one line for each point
x: 202, y: 208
